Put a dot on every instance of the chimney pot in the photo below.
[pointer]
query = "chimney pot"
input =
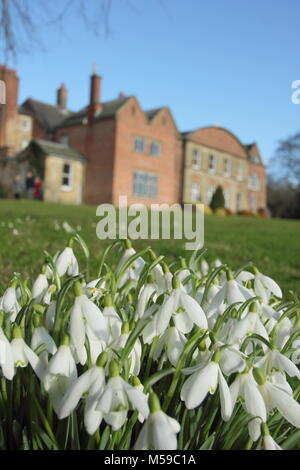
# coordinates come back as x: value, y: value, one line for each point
x: 62, y: 96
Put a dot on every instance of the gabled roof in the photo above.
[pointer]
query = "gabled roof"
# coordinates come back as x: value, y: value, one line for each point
x: 52, y: 148
x: 47, y: 115
x: 108, y: 110
x: 151, y: 113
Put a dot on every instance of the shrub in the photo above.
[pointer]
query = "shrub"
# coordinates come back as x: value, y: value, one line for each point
x: 218, y: 200
x: 220, y: 212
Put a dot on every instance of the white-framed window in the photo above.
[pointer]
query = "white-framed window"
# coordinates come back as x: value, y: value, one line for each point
x: 253, y: 203
x: 212, y: 163
x: 155, y: 149
x: 239, y: 202
x: 227, y: 197
x: 64, y: 139
x: 195, y: 192
x: 254, y: 182
x: 240, y: 172
x: 66, y: 177
x: 227, y: 167
x: 145, y: 184
x: 139, y: 144
x: 196, y: 159
x: 25, y: 124
x: 210, y: 192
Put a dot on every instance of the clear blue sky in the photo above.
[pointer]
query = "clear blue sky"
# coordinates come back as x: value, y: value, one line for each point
x: 230, y: 62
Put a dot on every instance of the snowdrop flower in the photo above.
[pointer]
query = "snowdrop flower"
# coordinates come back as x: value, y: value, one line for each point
x: 246, y: 389
x: 135, y: 354
x: 66, y: 262
x: 9, y: 302
x: 264, y: 286
x: 113, y: 320
x: 173, y: 341
x: 250, y: 324
x: 40, y: 286
x: 118, y: 396
x: 183, y: 309
x: 145, y: 294
x: 84, y: 312
x: 23, y: 355
x: 204, y: 381
x: 60, y: 373
x: 230, y: 293
x: 92, y: 383
x: 159, y: 431
x: 6, y: 355
x: 40, y: 336
x: 277, y: 398
x: 268, y: 443
x: 135, y: 269
x: 273, y: 359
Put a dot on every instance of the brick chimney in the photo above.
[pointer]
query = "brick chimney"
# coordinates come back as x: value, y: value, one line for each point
x: 95, y: 89
x: 62, y: 97
x: 9, y: 110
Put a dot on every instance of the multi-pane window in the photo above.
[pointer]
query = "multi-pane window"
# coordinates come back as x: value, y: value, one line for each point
x: 145, y: 184
x: 239, y: 202
x: 196, y: 159
x: 66, y: 175
x: 139, y: 144
x: 210, y: 192
x: 195, y: 192
x: 64, y: 139
x: 240, y: 172
x: 253, y: 203
x: 227, y: 198
x: 227, y: 167
x: 155, y: 149
x: 212, y: 163
x: 254, y: 182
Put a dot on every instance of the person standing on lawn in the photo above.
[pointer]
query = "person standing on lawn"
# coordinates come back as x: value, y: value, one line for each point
x: 18, y: 187
x: 29, y: 184
x: 37, y: 192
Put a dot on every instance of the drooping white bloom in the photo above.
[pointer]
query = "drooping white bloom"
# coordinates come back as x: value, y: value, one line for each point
x: 204, y: 381
x: 6, y: 357
x: 114, y: 322
x: 23, y: 354
x: 92, y: 383
x: 60, y: 373
x: 182, y: 308
x: 41, y: 337
x: 273, y: 359
x: 118, y: 397
x: 134, y: 270
x: 250, y: 324
x: 66, y: 262
x: 146, y: 292
x: 40, y: 287
x: 84, y: 312
x: 9, y: 303
x: 268, y: 443
x: 231, y: 292
x: 159, y: 431
x: 173, y: 342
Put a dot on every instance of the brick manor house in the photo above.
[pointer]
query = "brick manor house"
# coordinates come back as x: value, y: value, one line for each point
x: 114, y: 148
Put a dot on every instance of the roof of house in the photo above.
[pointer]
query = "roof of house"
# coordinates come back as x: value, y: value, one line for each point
x: 151, y: 113
x: 54, y: 148
x: 47, y: 115
x: 108, y: 110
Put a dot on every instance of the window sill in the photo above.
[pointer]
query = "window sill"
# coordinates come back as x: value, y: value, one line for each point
x: 66, y: 188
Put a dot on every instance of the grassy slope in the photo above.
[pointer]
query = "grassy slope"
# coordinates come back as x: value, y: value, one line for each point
x: 274, y: 245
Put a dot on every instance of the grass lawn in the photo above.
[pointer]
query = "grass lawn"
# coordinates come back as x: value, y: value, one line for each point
x: 273, y: 245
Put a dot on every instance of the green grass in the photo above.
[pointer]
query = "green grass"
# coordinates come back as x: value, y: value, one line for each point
x: 273, y: 245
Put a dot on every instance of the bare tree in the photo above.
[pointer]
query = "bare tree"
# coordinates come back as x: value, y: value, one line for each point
x: 21, y: 20
x: 286, y: 162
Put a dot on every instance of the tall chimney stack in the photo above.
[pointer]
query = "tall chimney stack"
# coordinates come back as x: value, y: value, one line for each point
x: 95, y: 104
x: 62, y: 97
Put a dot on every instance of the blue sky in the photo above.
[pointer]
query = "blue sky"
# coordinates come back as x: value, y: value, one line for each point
x: 230, y: 62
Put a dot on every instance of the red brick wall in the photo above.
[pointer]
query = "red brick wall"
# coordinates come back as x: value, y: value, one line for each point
x: 167, y: 166
x: 96, y: 142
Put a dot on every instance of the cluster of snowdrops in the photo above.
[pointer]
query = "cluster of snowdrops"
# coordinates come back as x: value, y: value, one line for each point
x: 147, y: 355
